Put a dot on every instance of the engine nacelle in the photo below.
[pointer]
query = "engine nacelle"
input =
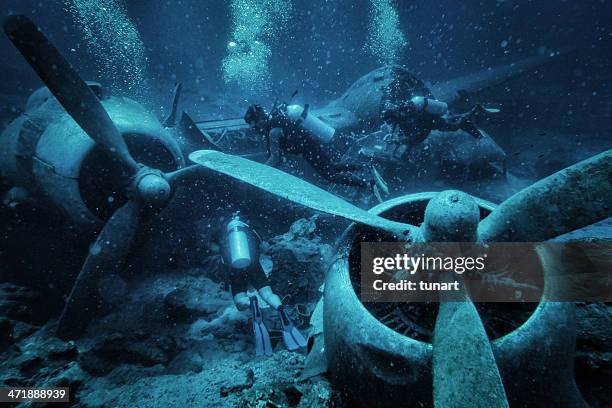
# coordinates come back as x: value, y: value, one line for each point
x: 48, y: 154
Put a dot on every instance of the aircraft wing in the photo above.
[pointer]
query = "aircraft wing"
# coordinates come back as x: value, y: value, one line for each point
x: 219, y: 125
x: 449, y: 91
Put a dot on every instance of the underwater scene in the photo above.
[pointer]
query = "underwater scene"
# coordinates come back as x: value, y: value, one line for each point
x: 191, y: 191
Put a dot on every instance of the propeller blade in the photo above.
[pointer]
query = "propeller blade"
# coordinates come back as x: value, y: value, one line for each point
x: 181, y: 176
x: 465, y: 373
x: 106, y: 257
x: 572, y: 198
x: 68, y: 88
x: 294, y: 189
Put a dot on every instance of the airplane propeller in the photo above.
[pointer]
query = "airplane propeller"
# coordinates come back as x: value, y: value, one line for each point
x: 548, y: 208
x: 295, y: 189
x: 145, y: 186
x: 562, y: 202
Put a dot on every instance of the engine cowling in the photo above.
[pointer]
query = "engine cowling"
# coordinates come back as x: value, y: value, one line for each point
x: 47, y: 153
x: 366, y: 351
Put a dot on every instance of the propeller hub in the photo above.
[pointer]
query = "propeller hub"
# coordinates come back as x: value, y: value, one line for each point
x: 451, y: 216
x: 152, y: 187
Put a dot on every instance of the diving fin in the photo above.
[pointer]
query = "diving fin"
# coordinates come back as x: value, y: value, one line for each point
x: 380, y: 181
x: 293, y: 338
x: 377, y: 193
x: 480, y: 109
x: 263, y: 346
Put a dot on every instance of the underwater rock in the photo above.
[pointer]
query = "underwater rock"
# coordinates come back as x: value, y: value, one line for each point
x: 130, y: 386
x: 246, y: 384
x: 41, y: 351
x: 319, y: 393
x: 225, y: 325
x: 299, y: 259
x: 312, y: 394
x: 293, y: 394
x: 165, y: 299
x: 594, y: 326
x: 42, y: 361
x: 153, y: 326
x: 22, y: 330
x: 71, y: 376
x: 189, y: 302
x: 593, y: 358
x: 187, y: 361
x: 117, y: 349
x: 178, y: 303
x: 142, y: 329
x: 60, y: 350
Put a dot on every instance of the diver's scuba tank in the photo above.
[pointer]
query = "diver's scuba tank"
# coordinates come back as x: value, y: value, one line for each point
x: 427, y: 105
x: 238, y: 242
x: 301, y: 116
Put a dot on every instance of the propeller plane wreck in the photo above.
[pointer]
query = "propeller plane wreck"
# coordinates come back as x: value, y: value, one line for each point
x: 143, y: 165
x: 96, y: 160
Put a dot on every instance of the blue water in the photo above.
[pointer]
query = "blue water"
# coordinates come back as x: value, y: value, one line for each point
x: 165, y: 329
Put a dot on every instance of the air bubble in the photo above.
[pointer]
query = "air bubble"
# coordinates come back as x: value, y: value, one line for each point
x: 114, y: 40
x: 255, y: 25
x: 385, y: 39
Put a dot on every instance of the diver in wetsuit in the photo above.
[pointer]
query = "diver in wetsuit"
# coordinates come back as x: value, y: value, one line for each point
x: 290, y: 129
x: 240, y: 251
x: 417, y: 117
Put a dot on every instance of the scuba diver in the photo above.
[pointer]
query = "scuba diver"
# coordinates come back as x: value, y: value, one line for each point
x: 240, y: 252
x: 292, y: 129
x: 420, y: 115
